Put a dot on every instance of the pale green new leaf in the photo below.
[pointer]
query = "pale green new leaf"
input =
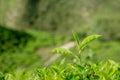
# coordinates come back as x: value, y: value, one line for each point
x: 62, y: 51
x: 62, y: 61
x: 87, y: 40
x: 76, y: 38
x: 56, y: 69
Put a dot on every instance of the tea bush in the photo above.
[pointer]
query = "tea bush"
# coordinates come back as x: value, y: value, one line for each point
x: 17, y: 48
x: 76, y: 70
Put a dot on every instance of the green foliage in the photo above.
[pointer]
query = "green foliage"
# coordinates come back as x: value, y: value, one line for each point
x: 12, y: 49
x: 109, y: 70
x: 2, y: 76
x: 43, y: 39
x: 90, y: 71
x: 62, y: 51
x: 79, y: 70
x: 11, y: 40
x: 80, y: 46
x: 17, y: 48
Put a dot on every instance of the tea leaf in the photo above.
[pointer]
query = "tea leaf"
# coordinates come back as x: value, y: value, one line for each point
x: 76, y: 38
x: 62, y: 51
x: 87, y: 40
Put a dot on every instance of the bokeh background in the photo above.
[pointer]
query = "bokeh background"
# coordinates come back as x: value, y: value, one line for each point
x: 30, y: 29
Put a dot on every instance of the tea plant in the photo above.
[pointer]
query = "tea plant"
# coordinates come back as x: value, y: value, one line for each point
x: 80, y: 46
x: 76, y: 70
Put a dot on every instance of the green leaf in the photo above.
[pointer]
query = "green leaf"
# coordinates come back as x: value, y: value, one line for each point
x: 76, y: 38
x: 42, y: 73
x: 62, y: 51
x: 96, y: 77
x: 87, y: 40
x: 2, y: 77
x: 62, y: 61
x: 56, y: 69
x: 8, y: 77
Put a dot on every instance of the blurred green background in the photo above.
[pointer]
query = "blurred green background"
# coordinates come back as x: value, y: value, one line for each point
x: 29, y: 29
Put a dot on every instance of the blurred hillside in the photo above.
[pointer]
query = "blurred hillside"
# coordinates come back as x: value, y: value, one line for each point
x: 84, y: 16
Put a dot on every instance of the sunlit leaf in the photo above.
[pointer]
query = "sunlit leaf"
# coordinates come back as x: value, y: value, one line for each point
x: 62, y: 51
x: 87, y: 40
x: 76, y: 38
